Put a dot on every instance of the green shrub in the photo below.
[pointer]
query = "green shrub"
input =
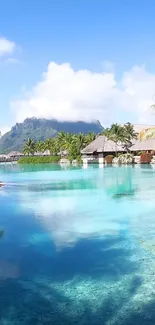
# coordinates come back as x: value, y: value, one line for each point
x: 39, y: 160
x: 126, y: 158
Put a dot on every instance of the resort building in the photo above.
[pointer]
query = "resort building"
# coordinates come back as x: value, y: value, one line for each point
x: 10, y: 157
x: 97, y: 150
x: 3, y: 157
x: 143, y: 145
x: 14, y: 155
x: 42, y: 153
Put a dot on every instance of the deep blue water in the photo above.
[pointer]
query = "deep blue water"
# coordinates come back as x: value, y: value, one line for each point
x: 78, y: 245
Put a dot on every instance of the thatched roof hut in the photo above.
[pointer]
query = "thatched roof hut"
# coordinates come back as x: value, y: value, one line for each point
x: 102, y: 145
x: 14, y: 154
x: 143, y: 145
x: 41, y: 153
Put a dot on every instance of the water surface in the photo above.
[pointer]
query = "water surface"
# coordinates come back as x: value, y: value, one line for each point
x: 78, y: 245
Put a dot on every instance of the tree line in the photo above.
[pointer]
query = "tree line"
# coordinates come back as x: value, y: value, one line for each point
x: 74, y: 143
x: 70, y: 143
x: 121, y: 134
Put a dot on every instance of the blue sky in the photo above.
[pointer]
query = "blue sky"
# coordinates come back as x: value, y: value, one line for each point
x: 98, y: 36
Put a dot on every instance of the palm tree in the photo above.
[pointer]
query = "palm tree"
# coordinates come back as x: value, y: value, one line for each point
x: 121, y: 134
x: 60, y: 138
x: 80, y: 142
x: 68, y: 140
x: 129, y: 135
x: 29, y: 147
x: 40, y: 146
x: 48, y: 143
x: 106, y: 132
x: 115, y: 133
x: 91, y: 136
x: 130, y: 132
x: 51, y: 145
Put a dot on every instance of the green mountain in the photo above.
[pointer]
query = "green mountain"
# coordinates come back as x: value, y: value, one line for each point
x: 40, y: 129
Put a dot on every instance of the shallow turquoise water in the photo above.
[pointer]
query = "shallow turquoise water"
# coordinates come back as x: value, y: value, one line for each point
x: 78, y: 246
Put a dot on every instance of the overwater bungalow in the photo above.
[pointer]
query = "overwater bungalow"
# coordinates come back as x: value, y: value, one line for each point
x: 97, y: 150
x: 3, y: 157
x: 14, y: 156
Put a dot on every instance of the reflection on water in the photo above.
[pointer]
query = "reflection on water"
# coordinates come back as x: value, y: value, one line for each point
x: 2, y: 231
x: 79, y: 246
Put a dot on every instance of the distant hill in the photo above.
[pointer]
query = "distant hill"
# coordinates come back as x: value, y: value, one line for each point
x: 40, y: 129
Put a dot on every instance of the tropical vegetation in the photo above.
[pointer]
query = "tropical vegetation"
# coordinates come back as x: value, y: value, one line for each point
x: 70, y: 145
x: 126, y: 159
x: 121, y: 134
x: 39, y: 160
x: 64, y: 144
x: 29, y: 147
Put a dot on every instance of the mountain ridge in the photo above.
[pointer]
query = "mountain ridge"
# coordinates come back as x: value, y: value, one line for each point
x: 40, y: 129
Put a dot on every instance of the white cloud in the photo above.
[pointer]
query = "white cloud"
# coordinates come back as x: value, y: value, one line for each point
x: 6, y: 46
x: 66, y: 94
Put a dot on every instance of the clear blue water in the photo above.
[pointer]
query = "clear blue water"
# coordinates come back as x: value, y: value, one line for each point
x: 78, y: 245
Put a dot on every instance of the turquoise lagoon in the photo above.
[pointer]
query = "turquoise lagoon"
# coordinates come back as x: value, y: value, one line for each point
x: 78, y: 245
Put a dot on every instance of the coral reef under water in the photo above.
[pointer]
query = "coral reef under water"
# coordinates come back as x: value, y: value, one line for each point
x: 113, y: 284
x: 81, y: 251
